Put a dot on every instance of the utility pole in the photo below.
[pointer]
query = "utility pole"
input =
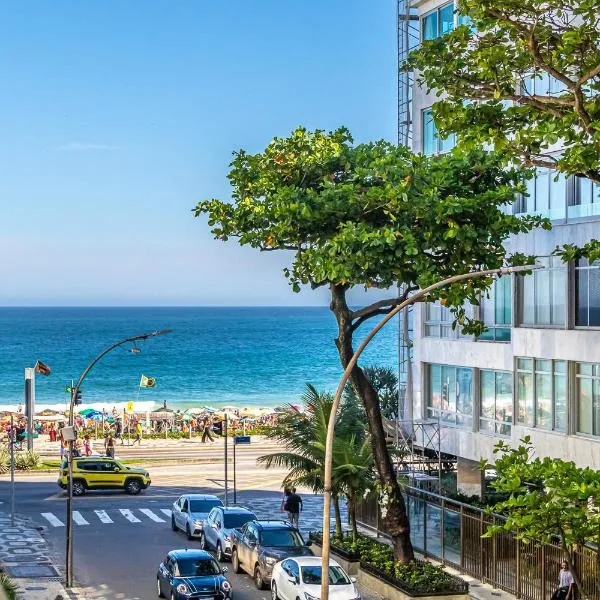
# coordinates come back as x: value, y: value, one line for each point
x: 12, y: 470
x: 226, y: 471
x: 234, y: 470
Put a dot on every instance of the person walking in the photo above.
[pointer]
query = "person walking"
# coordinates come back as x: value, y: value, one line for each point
x: 52, y: 432
x: 109, y: 445
x: 284, y: 506
x: 119, y: 430
x: 206, y: 431
x: 138, y: 433
x: 565, y: 583
x: 294, y: 506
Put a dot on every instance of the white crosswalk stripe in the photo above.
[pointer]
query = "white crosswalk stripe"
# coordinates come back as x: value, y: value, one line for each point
x: 166, y: 511
x: 52, y: 519
x: 129, y: 515
x: 103, y: 516
x: 152, y: 515
x: 78, y: 518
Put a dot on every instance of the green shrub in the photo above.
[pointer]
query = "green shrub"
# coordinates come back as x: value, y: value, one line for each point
x: 24, y: 461
x: 4, y: 461
x: 8, y: 586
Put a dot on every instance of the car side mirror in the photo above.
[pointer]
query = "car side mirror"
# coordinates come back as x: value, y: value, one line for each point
x: 353, y: 579
x: 117, y: 469
x: 224, y: 570
x: 309, y: 543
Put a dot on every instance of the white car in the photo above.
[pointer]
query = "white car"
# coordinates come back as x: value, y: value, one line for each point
x: 190, y: 510
x: 300, y: 577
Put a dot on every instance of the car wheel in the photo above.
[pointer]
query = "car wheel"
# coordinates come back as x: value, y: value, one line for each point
x: 158, y: 590
x: 220, y: 555
x: 258, y: 579
x: 173, y: 524
x: 235, y: 562
x: 78, y: 488
x: 274, y: 595
x: 203, y: 544
x: 133, y: 487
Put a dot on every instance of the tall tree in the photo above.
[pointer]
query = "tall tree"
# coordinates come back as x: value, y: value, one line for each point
x: 372, y: 215
x: 532, y: 71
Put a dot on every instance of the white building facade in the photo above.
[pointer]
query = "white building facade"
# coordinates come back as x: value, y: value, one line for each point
x: 536, y: 372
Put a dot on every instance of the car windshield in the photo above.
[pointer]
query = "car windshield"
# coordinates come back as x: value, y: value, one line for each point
x: 193, y: 567
x: 204, y: 506
x: 312, y: 576
x: 281, y: 537
x: 234, y: 521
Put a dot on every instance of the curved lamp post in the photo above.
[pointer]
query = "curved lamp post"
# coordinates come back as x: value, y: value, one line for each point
x: 74, y: 391
x: 338, y: 394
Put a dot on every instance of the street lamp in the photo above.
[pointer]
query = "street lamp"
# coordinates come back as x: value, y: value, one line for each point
x: 338, y: 394
x: 71, y: 437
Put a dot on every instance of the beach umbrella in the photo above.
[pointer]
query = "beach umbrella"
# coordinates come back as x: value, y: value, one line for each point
x: 86, y: 412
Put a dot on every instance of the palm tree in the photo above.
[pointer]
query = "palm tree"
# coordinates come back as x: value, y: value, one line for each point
x: 303, y: 436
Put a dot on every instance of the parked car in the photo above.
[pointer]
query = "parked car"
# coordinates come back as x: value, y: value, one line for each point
x: 102, y: 473
x: 259, y: 545
x: 301, y: 578
x: 186, y: 574
x: 190, y: 510
x: 218, y: 526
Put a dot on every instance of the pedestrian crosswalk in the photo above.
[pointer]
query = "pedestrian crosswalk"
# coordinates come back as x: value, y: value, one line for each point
x: 108, y: 517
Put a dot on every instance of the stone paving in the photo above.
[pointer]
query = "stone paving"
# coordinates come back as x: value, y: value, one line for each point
x: 24, y: 557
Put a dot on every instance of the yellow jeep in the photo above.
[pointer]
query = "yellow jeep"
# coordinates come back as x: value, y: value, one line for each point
x: 102, y: 473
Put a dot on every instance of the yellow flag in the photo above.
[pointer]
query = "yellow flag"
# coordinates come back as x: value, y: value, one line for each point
x: 129, y: 407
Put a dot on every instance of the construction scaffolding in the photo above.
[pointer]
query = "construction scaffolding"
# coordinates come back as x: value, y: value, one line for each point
x: 408, y: 39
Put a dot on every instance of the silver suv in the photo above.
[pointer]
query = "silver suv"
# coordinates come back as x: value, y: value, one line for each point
x: 218, y: 526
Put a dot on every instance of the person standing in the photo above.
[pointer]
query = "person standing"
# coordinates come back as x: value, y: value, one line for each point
x: 138, y: 433
x: 87, y: 445
x: 294, y: 506
x: 52, y: 432
x: 284, y: 506
x: 565, y: 583
x: 119, y: 430
x: 109, y: 445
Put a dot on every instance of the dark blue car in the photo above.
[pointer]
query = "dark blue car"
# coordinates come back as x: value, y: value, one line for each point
x: 192, y: 574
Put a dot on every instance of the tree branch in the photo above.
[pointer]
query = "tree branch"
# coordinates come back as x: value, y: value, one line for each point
x: 272, y: 248
x: 382, y: 307
x: 589, y: 75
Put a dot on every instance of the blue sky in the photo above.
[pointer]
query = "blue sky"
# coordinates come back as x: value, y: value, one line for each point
x: 117, y: 117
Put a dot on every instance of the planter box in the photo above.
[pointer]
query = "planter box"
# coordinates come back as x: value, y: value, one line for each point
x: 385, y: 586
x: 350, y: 564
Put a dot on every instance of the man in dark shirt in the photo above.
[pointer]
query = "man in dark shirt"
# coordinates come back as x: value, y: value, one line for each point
x: 293, y: 505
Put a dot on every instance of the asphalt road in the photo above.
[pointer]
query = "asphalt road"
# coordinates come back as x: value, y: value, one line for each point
x: 119, y: 540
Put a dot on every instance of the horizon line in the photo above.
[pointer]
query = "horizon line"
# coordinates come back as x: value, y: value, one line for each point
x: 163, y: 306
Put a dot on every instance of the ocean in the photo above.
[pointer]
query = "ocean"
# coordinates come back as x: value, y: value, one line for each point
x: 254, y: 356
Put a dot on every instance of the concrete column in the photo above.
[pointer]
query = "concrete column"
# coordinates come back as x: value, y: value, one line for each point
x: 469, y: 479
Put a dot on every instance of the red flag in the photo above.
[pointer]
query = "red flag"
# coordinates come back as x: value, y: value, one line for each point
x: 42, y: 368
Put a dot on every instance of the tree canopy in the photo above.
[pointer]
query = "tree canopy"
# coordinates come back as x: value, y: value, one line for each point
x: 523, y: 76
x: 549, y: 499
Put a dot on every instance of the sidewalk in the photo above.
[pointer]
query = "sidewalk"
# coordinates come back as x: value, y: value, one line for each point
x: 23, y: 556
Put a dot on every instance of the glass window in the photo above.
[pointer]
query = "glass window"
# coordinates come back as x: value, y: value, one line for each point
x: 450, y: 395
x: 496, y: 311
x: 546, y: 195
x: 438, y: 322
x: 542, y: 294
x: 587, y: 293
x: 496, y: 392
x: 430, y: 26
x: 432, y: 142
x: 542, y: 394
x: 438, y: 22
x: 588, y: 398
x: 586, y: 201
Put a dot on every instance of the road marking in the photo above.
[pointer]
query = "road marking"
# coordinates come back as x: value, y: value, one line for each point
x: 166, y: 511
x: 103, y: 516
x: 55, y: 522
x: 129, y: 515
x: 151, y: 515
x: 78, y: 518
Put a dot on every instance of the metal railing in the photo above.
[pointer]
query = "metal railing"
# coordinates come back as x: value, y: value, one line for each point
x: 451, y: 531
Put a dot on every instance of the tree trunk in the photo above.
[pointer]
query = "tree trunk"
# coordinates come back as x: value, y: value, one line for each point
x: 396, y: 518
x: 338, y: 514
x: 352, y: 514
